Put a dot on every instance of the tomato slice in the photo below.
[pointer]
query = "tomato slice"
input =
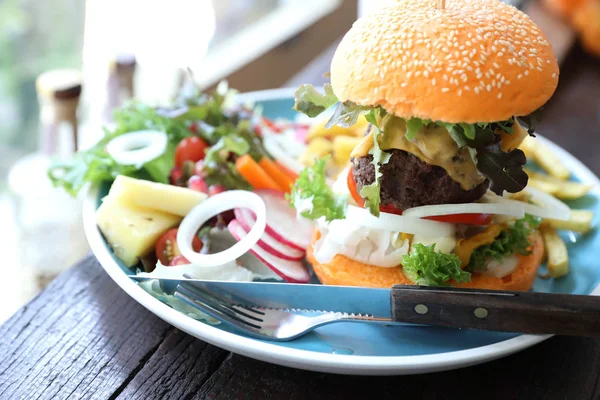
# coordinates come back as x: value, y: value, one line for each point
x: 166, y: 248
x: 468, y: 219
x: 190, y: 149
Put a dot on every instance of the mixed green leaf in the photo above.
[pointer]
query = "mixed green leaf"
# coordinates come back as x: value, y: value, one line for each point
x: 513, y: 240
x: 312, y: 196
x: 209, y: 116
x: 424, y: 266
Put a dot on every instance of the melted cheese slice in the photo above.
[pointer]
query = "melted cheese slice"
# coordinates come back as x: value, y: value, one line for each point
x: 432, y: 144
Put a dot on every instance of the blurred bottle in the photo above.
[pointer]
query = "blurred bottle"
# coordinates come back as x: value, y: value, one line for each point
x: 58, y: 95
x: 119, y: 85
x: 47, y: 221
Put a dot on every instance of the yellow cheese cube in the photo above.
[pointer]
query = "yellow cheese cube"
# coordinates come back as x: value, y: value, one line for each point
x: 157, y: 196
x: 130, y: 230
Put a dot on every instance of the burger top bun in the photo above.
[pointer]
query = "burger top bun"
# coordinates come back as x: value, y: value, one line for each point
x: 472, y: 61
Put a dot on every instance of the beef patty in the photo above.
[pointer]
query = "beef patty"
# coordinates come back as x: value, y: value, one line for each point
x: 409, y: 182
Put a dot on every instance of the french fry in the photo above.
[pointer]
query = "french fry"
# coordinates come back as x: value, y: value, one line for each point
x: 565, y: 190
x: 318, y: 129
x: 558, y: 258
x: 547, y: 159
x: 548, y: 187
x: 528, y: 147
x: 342, y: 147
x: 580, y: 221
x: 317, y: 148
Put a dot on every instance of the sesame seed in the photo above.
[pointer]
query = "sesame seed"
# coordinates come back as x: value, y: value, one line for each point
x: 433, y: 81
x: 554, y: 75
x: 488, y: 88
x: 404, y: 84
x: 499, y: 95
x: 519, y: 76
x: 444, y: 90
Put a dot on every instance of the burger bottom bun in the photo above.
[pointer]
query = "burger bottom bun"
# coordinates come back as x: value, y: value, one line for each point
x: 343, y: 271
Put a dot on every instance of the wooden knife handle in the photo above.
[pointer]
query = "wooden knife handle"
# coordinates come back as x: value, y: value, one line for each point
x: 525, y: 312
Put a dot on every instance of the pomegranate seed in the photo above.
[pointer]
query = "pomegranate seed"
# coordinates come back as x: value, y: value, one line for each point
x: 175, y: 176
x: 198, y: 184
x: 216, y: 189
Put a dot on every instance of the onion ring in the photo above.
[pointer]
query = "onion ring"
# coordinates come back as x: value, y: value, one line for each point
x: 137, y: 148
x: 209, y: 208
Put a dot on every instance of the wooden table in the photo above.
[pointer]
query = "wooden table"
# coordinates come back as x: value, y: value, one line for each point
x: 83, y: 337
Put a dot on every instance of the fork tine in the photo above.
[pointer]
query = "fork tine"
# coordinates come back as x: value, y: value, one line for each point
x: 218, y: 305
x: 248, y: 308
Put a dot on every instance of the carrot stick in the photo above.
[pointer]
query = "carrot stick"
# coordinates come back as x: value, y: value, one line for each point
x: 291, y: 174
x: 254, y: 174
x: 276, y: 173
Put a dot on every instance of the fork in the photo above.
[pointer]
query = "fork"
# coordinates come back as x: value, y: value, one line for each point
x: 492, y: 310
x: 267, y: 323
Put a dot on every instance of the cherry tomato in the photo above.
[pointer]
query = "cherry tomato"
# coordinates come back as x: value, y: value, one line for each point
x: 190, y: 149
x: 166, y: 248
x: 198, y: 184
x: 468, y: 219
x: 178, y: 260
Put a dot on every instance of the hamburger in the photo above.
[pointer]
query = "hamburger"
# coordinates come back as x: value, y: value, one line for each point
x: 435, y: 191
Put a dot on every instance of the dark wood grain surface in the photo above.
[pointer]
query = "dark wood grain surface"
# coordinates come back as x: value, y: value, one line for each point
x: 84, y: 337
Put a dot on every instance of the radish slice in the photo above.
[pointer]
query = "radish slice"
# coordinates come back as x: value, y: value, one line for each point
x: 137, y: 148
x: 399, y: 223
x: 267, y: 242
x: 515, y: 210
x: 209, y: 208
x: 249, y: 218
x: 282, y: 223
x: 290, y: 271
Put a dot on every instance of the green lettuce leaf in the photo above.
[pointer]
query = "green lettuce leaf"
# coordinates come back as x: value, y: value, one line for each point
x: 372, y: 193
x: 312, y: 197
x: 311, y: 102
x: 346, y: 114
x: 426, y: 267
x: 413, y: 125
x: 513, y: 240
x: 218, y: 168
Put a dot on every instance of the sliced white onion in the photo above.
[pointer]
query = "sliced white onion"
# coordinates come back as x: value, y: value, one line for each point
x: 274, y: 148
x: 137, y: 148
x: 555, y: 208
x: 515, y: 210
x: 209, y: 208
x: 399, y: 223
x: 551, y: 207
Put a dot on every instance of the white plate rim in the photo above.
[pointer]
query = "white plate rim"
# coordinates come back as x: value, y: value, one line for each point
x: 305, y: 359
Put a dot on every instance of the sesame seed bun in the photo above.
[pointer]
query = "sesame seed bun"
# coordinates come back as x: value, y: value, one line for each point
x: 346, y: 272
x: 473, y: 61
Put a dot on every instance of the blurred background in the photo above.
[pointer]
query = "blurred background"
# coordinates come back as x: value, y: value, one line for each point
x: 66, y: 64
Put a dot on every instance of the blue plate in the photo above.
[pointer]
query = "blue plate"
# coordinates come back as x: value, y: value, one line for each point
x: 363, y: 348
